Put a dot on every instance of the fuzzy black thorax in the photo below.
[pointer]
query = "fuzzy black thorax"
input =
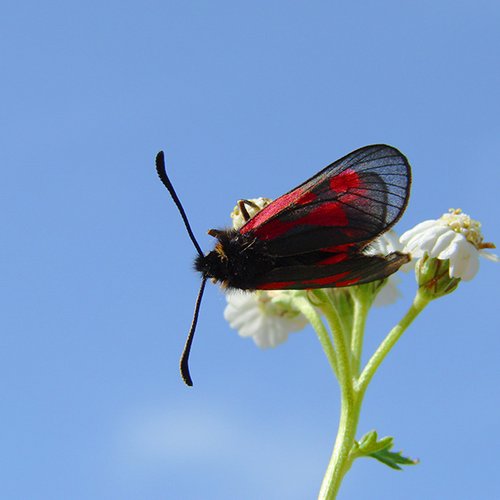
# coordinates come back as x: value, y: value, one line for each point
x: 237, y: 260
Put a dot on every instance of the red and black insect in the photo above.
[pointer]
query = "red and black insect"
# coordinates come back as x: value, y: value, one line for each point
x: 314, y: 236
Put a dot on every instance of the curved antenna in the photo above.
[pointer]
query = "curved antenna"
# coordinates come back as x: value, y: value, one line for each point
x: 162, y: 173
x: 187, y: 348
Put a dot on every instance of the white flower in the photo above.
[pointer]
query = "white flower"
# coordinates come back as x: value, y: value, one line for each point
x: 384, y: 245
x: 454, y: 237
x: 251, y: 207
x: 267, y: 317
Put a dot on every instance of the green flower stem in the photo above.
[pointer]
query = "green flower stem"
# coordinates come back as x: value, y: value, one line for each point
x: 352, y: 389
x: 342, y: 304
x: 341, y: 348
x: 419, y: 303
x: 340, y: 462
x: 341, y: 459
x: 306, y: 308
x: 362, y: 303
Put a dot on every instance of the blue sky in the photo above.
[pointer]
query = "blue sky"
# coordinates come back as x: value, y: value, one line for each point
x: 247, y: 99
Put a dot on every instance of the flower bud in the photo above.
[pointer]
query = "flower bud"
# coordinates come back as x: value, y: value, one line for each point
x: 433, y: 277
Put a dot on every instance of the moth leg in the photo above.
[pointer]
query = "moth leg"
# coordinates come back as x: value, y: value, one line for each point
x: 243, y: 209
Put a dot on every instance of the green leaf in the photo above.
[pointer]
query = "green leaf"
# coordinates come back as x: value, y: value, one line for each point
x: 392, y: 459
x: 371, y: 446
x: 368, y: 440
x: 370, y: 443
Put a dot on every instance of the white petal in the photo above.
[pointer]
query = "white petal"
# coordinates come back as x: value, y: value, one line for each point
x: 442, y: 242
x: 489, y: 256
x: 423, y: 242
x: 256, y: 315
x: 408, y: 235
x: 459, y: 261
x: 261, y: 341
x: 272, y: 333
x: 427, y: 239
x: 237, y: 303
x: 232, y: 314
x: 277, y: 334
x: 385, y: 244
x: 472, y: 268
x: 457, y: 268
x: 251, y: 328
x: 458, y: 247
x: 241, y: 312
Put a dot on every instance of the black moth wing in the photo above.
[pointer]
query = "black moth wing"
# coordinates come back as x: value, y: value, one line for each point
x: 350, y: 202
x: 327, y: 270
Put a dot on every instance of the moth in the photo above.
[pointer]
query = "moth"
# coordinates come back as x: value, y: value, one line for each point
x: 314, y: 236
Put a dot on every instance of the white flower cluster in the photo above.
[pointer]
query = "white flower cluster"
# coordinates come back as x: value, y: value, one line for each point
x: 454, y: 237
x: 261, y: 316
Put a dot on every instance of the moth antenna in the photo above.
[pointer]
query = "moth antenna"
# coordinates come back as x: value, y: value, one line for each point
x: 162, y: 173
x: 187, y: 348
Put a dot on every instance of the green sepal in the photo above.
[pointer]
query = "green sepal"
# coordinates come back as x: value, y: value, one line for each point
x: 433, y: 277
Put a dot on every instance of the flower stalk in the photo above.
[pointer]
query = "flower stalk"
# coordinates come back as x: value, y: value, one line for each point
x: 352, y: 386
x: 342, y: 458
x: 419, y: 303
x: 307, y: 309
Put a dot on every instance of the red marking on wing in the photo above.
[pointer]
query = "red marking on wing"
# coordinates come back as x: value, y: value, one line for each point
x: 350, y: 282
x: 329, y: 213
x: 334, y: 259
x: 272, y: 209
x: 353, y: 233
x: 350, y: 187
x: 348, y: 179
x: 338, y: 248
x: 306, y: 197
x: 279, y: 285
x: 326, y: 214
x: 274, y: 228
x: 327, y: 280
x: 296, y: 197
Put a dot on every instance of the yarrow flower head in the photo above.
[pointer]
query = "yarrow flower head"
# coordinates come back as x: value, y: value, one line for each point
x: 454, y: 237
x: 267, y: 317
